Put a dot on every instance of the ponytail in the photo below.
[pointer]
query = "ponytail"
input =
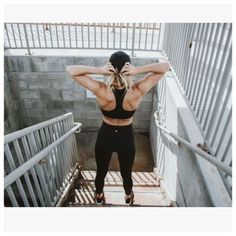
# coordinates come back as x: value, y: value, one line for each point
x: 118, y: 79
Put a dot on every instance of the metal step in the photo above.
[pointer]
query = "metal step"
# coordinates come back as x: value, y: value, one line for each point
x: 146, y: 189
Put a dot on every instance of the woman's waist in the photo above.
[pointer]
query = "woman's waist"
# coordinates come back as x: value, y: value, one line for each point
x: 117, y: 122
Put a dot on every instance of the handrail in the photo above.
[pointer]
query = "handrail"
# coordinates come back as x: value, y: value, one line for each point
x: 13, y: 176
x: 17, y: 134
x: 206, y: 156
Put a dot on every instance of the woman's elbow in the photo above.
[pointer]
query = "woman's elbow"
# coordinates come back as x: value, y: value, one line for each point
x: 166, y: 67
x: 69, y: 70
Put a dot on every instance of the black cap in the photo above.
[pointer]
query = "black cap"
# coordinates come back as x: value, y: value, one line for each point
x: 118, y: 59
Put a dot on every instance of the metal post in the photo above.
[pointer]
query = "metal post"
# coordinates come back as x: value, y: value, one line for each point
x: 27, y: 40
x: 133, y: 38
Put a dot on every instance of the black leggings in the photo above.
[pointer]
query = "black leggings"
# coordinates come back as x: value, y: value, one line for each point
x: 118, y: 139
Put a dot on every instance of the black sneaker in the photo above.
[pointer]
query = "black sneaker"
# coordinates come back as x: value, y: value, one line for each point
x: 129, y: 199
x: 99, y: 200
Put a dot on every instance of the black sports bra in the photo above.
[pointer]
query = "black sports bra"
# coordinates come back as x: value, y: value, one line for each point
x: 118, y: 112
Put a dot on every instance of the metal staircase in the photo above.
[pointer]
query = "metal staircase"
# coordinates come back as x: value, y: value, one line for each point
x: 146, y: 188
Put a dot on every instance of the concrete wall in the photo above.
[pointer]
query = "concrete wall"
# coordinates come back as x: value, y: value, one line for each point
x: 44, y: 90
x: 11, y: 108
x: 188, y: 179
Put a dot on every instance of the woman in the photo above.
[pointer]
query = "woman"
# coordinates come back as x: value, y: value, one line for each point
x: 118, y: 98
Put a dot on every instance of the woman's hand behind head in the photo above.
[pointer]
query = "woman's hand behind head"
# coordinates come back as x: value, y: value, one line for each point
x: 128, y: 69
x: 108, y: 69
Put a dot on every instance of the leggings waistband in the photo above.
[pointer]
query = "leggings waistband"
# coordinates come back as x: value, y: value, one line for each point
x: 118, y: 127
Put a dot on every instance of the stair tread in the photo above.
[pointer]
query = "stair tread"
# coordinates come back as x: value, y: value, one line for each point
x: 114, y: 177
x: 145, y: 187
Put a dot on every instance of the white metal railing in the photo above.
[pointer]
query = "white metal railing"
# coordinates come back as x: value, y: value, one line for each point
x: 220, y: 165
x: 39, y: 162
x: 122, y: 36
x: 201, y: 59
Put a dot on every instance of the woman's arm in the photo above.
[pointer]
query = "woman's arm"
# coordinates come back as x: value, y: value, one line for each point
x: 80, y: 74
x: 155, y: 73
x: 157, y: 68
x: 77, y: 70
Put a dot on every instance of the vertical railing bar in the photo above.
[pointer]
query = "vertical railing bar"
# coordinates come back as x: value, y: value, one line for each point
x: 8, y: 38
x: 198, y: 66
x: 226, y: 156
x: 75, y: 154
x: 190, y: 61
x: 45, y: 38
x: 82, y: 34
x: 60, y: 153
x: 12, y: 196
x: 107, y: 35
x: 18, y: 181
x: 210, y: 71
x: 26, y: 39
x: 114, y: 35
x: 170, y: 33
x: 26, y: 176
x: 218, y: 119
x: 19, y: 32
x: 146, y: 37
x: 57, y: 158
x: 45, y: 169
x: 95, y: 35
x: 127, y: 36
x: 76, y: 39
x: 63, y: 36
x: 32, y: 35
x: 58, y: 45
x: 88, y: 24
x: 140, y: 32
x: 192, y: 78
x: 68, y: 127
x: 153, y: 28
x: 165, y: 39
x: 50, y: 29
x: 101, y: 35
x: 159, y: 37
x: 42, y: 180
x: 133, y: 40
x: 48, y: 139
x: 44, y: 141
x: 179, y: 37
x: 194, y: 59
x: 38, y: 34
x: 183, y: 52
x: 185, y: 76
x: 13, y: 33
x: 69, y: 32
x: 121, y: 25
x: 221, y: 79
x: 28, y: 156
x: 173, y: 52
x: 201, y: 69
x: 63, y: 131
x: 225, y: 137
x: 206, y: 68
x: 69, y: 145
x: 212, y: 78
